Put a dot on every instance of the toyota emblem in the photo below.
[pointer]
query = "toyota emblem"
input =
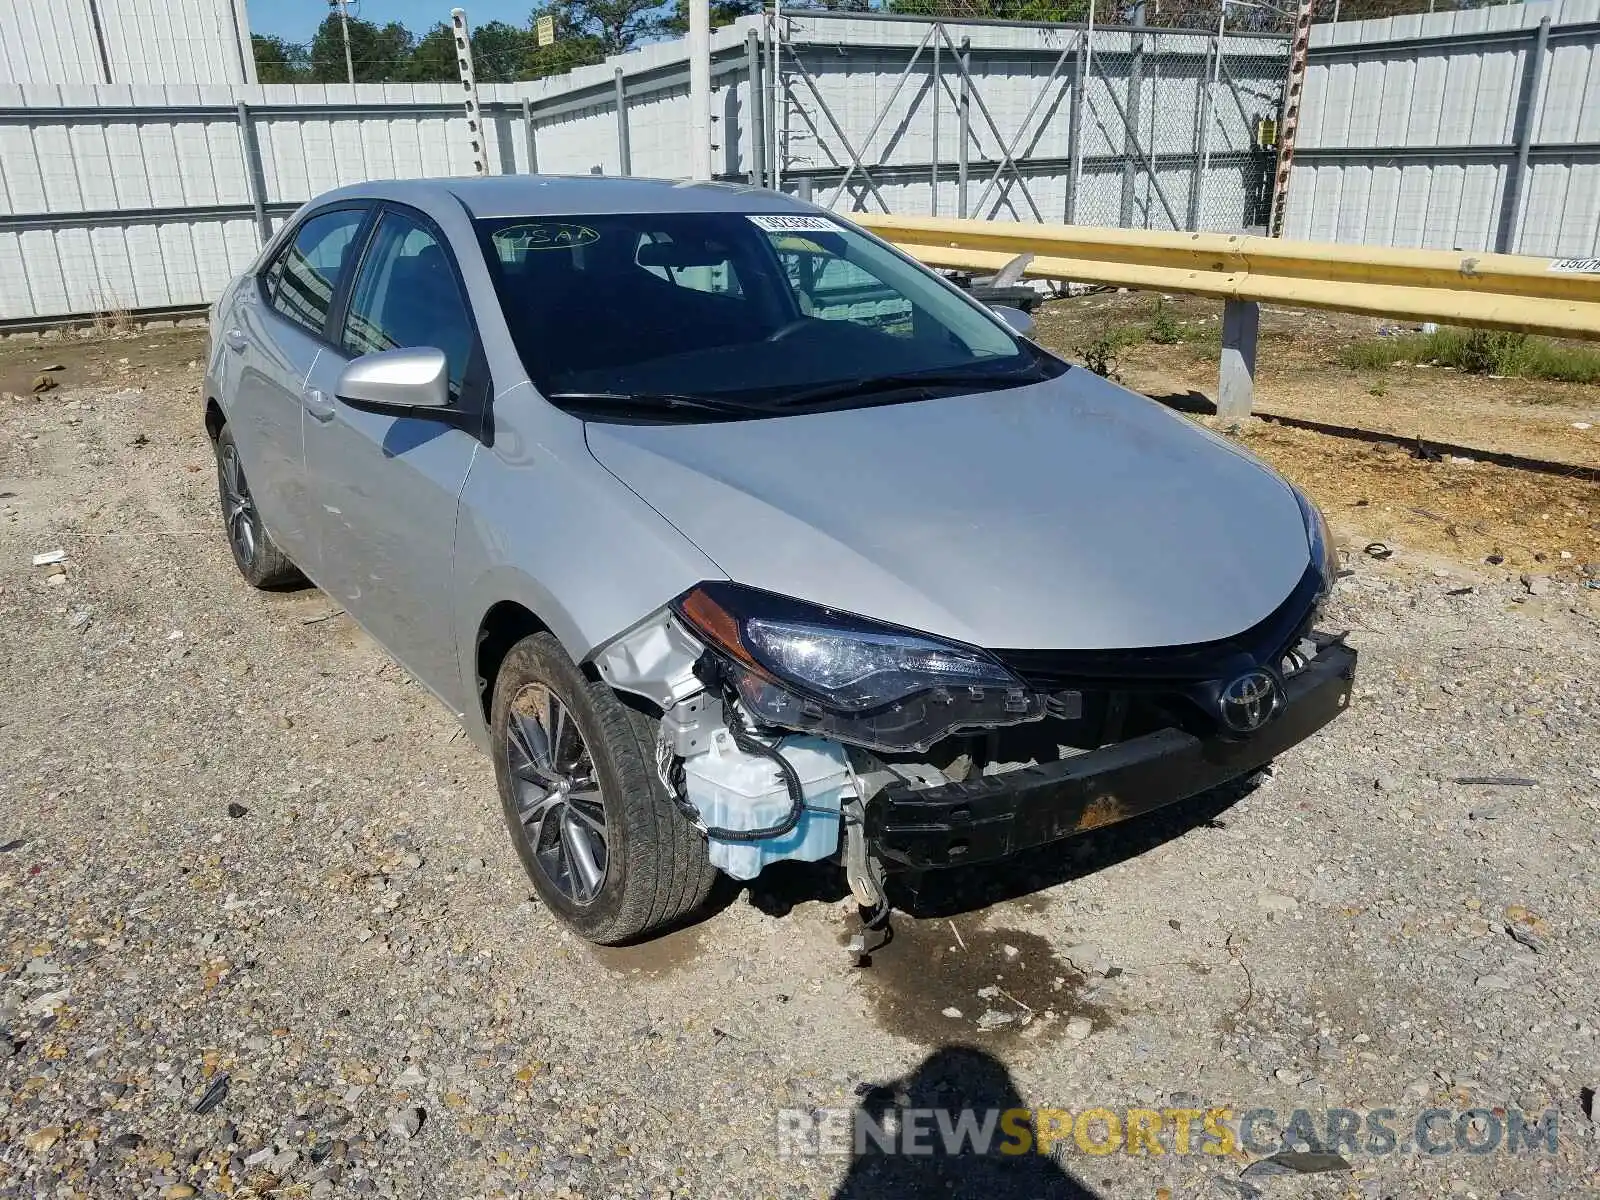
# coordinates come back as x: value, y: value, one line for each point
x: 1250, y: 701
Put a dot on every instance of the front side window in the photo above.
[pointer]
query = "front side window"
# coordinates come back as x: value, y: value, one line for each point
x: 759, y: 311
x: 302, y: 280
x: 407, y: 296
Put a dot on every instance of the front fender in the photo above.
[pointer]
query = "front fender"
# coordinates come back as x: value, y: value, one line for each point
x: 543, y: 525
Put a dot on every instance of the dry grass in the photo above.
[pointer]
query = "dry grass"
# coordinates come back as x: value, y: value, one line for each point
x: 1479, y: 352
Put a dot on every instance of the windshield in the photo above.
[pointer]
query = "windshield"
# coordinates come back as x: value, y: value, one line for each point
x: 712, y: 315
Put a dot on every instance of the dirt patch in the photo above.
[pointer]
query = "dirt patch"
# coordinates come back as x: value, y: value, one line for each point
x: 113, y: 358
x: 653, y: 959
x: 939, y: 980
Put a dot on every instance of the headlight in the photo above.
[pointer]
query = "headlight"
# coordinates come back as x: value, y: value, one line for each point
x: 1323, y: 553
x: 801, y: 666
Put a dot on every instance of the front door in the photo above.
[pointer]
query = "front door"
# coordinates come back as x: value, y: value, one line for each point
x: 386, y: 485
x: 276, y: 330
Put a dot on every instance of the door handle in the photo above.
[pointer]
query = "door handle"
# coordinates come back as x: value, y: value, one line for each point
x: 318, y: 404
x: 235, y: 340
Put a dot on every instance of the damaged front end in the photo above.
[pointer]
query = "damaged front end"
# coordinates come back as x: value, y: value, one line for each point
x: 789, y: 728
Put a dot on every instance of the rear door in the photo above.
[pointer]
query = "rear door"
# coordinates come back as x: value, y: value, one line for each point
x: 277, y: 329
x: 387, y: 483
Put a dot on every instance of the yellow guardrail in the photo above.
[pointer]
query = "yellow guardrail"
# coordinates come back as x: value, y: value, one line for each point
x: 1499, y: 291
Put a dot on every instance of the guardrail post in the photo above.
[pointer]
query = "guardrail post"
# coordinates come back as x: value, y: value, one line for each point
x: 624, y: 150
x: 254, y: 182
x: 1241, y: 322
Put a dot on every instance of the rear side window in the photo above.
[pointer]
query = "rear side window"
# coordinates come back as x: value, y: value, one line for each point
x: 407, y: 296
x: 303, y: 278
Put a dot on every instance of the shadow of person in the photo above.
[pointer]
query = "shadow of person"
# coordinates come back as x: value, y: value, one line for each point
x: 952, y: 1083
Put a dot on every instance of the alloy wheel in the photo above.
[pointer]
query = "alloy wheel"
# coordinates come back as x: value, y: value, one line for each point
x: 558, y: 797
x: 238, y: 509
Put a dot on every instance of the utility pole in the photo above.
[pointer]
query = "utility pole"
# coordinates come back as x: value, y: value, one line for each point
x: 699, y: 89
x: 344, y: 20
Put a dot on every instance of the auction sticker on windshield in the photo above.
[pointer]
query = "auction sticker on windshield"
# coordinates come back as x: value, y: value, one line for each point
x: 794, y: 223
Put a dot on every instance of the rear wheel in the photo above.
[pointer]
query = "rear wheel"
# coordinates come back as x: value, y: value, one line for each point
x: 605, y: 846
x: 254, y: 552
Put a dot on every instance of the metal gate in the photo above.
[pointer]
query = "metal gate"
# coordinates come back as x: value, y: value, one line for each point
x: 1133, y: 126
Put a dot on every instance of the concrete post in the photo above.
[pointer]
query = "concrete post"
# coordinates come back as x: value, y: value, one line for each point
x: 699, y: 89
x: 529, y: 137
x: 1241, y: 322
x: 757, y: 124
x: 624, y: 146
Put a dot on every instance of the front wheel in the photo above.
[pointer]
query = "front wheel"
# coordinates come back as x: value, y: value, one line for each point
x: 605, y: 846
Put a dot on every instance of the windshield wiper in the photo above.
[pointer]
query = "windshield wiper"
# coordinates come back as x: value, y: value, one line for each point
x: 663, y: 400
x: 908, y: 381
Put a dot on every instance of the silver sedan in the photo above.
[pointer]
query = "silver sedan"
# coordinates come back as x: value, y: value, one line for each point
x: 735, y: 536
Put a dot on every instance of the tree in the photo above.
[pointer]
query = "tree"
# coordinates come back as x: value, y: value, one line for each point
x: 723, y: 12
x: 615, y: 25
x: 499, y: 53
x: 280, y: 61
x: 379, y: 54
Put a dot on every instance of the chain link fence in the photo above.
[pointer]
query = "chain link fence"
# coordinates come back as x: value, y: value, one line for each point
x: 1142, y: 127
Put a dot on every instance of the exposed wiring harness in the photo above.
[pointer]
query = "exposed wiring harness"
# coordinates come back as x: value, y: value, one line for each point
x: 670, y: 769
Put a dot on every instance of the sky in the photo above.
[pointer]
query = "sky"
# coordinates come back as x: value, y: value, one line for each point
x: 297, y: 20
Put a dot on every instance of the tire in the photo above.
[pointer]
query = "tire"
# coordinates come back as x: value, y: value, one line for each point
x: 652, y: 863
x: 254, y: 552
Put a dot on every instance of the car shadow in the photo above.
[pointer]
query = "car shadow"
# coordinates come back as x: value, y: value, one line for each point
x: 783, y: 886
x: 953, y: 1081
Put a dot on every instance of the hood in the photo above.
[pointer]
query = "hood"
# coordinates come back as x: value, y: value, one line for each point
x: 1067, y: 514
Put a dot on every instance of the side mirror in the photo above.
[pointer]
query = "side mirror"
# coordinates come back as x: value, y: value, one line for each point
x: 412, y: 378
x: 1020, y: 322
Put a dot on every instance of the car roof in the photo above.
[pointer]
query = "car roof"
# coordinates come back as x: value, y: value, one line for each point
x: 571, y: 195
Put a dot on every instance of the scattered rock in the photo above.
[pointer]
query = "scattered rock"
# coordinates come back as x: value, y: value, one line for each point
x: 953, y: 1013
x: 1493, y: 983
x: 214, y: 1095
x: 993, y: 1018
x: 42, y: 383
x: 1537, y: 585
x: 237, y: 810
x: 1275, y: 903
x: 41, y: 1140
x: 405, y: 1122
x: 1079, y: 1027
x: 1527, y: 936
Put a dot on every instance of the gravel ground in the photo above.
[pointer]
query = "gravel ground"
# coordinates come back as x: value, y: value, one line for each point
x: 237, y: 843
